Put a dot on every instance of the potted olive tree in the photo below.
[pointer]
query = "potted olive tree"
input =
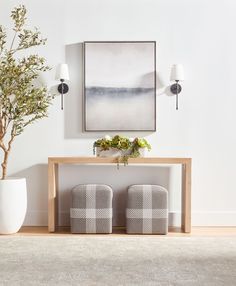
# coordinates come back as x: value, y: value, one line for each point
x: 22, y: 102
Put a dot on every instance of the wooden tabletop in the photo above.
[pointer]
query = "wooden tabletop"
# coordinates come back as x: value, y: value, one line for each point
x: 107, y: 160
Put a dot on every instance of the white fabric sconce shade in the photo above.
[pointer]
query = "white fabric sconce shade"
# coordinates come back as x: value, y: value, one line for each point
x: 177, y: 73
x: 62, y: 72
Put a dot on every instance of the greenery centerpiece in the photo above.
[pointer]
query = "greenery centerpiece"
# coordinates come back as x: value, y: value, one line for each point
x: 121, y: 146
x: 22, y: 101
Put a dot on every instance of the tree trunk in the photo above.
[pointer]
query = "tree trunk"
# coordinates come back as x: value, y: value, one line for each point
x: 6, y: 151
x: 4, y: 164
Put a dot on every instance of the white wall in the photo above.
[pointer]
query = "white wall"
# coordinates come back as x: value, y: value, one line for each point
x: 197, y: 33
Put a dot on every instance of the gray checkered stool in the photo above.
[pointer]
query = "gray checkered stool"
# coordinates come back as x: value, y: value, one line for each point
x: 91, y: 209
x: 147, y: 209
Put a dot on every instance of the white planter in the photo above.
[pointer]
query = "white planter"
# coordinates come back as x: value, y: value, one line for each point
x: 13, y: 204
x: 142, y: 152
x: 113, y: 152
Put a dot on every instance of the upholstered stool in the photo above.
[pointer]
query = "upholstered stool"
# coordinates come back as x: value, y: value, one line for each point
x: 91, y: 209
x: 147, y: 209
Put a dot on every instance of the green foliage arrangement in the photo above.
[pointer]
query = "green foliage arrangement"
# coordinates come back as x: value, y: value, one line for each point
x: 124, y: 144
x: 21, y: 101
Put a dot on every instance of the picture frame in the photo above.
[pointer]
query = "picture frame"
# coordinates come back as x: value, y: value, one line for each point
x: 119, y: 86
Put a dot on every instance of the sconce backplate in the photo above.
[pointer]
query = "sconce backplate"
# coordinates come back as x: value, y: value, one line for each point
x: 175, y: 88
x: 63, y: 88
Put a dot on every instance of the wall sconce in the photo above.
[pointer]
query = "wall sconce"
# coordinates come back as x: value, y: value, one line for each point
x: 177, y: 74
x: 62, y: 74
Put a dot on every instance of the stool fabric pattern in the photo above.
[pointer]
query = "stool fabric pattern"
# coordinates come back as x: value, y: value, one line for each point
x: 91, y: 209
x: 147, y: 210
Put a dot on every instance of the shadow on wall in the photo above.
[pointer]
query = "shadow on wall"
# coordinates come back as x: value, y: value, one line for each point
x: 163, y: 89
x: 73, y: 119
x: 119, y: 180
x: 73, y: 112
x: 37, y: 194
x: 37, y: 188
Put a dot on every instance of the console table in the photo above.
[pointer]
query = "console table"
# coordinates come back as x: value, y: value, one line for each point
x: 53, y: 163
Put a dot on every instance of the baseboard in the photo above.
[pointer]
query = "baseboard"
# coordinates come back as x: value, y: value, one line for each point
x: 214, y: 218
x: 206, y: 218
x: 200, y: 218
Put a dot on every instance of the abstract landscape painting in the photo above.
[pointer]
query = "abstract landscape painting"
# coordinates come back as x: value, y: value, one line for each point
x: 120, y: 86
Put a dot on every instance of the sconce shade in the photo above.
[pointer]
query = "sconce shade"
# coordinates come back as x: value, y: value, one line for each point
x: 62, y: 72
x: 177, y: 72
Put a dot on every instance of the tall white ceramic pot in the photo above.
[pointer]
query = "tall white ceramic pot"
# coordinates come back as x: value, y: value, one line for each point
x: 13, y: 204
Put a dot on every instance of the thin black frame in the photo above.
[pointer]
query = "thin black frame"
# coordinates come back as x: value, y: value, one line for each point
x: 84, y: 80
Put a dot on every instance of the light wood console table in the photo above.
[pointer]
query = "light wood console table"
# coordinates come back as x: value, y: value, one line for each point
x: 53, y: 163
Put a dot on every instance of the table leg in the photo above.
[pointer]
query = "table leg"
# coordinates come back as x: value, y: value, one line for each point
x: 186, y: 197
x: 52, y: 195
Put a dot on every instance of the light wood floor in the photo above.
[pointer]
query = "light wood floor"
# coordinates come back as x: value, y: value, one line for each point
x: 173, y: 232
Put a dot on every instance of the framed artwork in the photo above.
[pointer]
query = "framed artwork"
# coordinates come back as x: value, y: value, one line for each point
x: 120, y: 86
